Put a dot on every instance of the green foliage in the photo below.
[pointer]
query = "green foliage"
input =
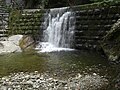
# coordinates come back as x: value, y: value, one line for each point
x: 99, y: 5
x: 53, y: 3
x: 111, y: 42
x: 63, y: 3
x: 14, y: 15
x: 23, y: 22
x: 97, y: 0
x: 104, y: 0
x: 35, y: 3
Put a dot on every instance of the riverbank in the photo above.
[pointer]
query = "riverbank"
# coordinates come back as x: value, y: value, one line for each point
x: 61, y: 66
x: 37, y: 81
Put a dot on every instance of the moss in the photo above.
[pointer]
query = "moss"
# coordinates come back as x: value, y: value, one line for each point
x: 111, y: 42
x: 98, y: 5
x: 14, y: 16
x: 27, y: 44
x: 24, y: 22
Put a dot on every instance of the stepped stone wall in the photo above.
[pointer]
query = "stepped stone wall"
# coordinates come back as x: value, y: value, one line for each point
x: 4, y: 15
x: 26, y: 22
x: 93, y: 23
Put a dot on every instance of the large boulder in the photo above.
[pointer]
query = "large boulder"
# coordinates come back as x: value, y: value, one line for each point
x: 15, y: 39
x: 11, y: 45
x: 17, y: 43
x: 111, y: 42
x: 27, y: 43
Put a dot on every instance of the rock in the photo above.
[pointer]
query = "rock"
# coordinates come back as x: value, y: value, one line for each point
x: 27, y: 43
x: 94, y: 74
x: 15, y: 39
x: 17, y: 43
x: 112, y: 57
x: 111, y: 42
x: 0, y: 22
x: 24, y: 81
x: 115, y: 84
x: 1, y: 46
x: 3, y: 38
x: 11, y: 45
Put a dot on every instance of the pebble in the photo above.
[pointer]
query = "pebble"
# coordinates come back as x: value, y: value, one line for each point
x: 94, y: 74
x: 37, y: 81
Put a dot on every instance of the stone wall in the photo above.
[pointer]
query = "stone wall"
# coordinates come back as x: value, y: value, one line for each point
x: 92, y: 24
x: 26, y: 22
x: 93, y: 21
x: 4, y: 14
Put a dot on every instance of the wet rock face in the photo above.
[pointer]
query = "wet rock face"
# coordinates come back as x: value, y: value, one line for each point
x: 111, y: 42
x: 37, y: 81
x: 27, y: 43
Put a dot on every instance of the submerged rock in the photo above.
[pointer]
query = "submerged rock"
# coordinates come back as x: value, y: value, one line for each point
x: 37, y: 81
x: 111, y: 42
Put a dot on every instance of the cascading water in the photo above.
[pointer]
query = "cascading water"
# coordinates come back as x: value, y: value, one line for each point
x: 59, y: 27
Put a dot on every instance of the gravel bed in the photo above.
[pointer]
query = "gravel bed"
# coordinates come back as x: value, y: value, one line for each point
x: 37, y: 81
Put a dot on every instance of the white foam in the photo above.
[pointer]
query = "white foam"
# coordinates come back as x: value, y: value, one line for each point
x: 47, y: 47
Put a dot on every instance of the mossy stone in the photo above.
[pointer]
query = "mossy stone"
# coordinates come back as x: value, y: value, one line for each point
x: 111, y: 42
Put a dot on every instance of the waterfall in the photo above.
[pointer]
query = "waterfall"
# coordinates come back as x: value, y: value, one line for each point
x: 59, y: 24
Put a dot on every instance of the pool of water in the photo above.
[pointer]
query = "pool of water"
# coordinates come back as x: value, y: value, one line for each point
x: 59, y: 64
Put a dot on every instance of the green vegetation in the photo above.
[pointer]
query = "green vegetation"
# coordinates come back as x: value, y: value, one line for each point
x: 60, y: 3
x: 48, y: 3
x: 53, y: 3
x: 111, y: 42
x: 99, y: 4
x: 103, y: 0
x: 27, y: 44
x: 35, y: 3
x: 14, y: 16
x: 27, y: 23
x: 63, y: 3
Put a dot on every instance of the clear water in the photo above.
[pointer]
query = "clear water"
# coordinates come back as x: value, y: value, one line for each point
x: 60, y: 64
